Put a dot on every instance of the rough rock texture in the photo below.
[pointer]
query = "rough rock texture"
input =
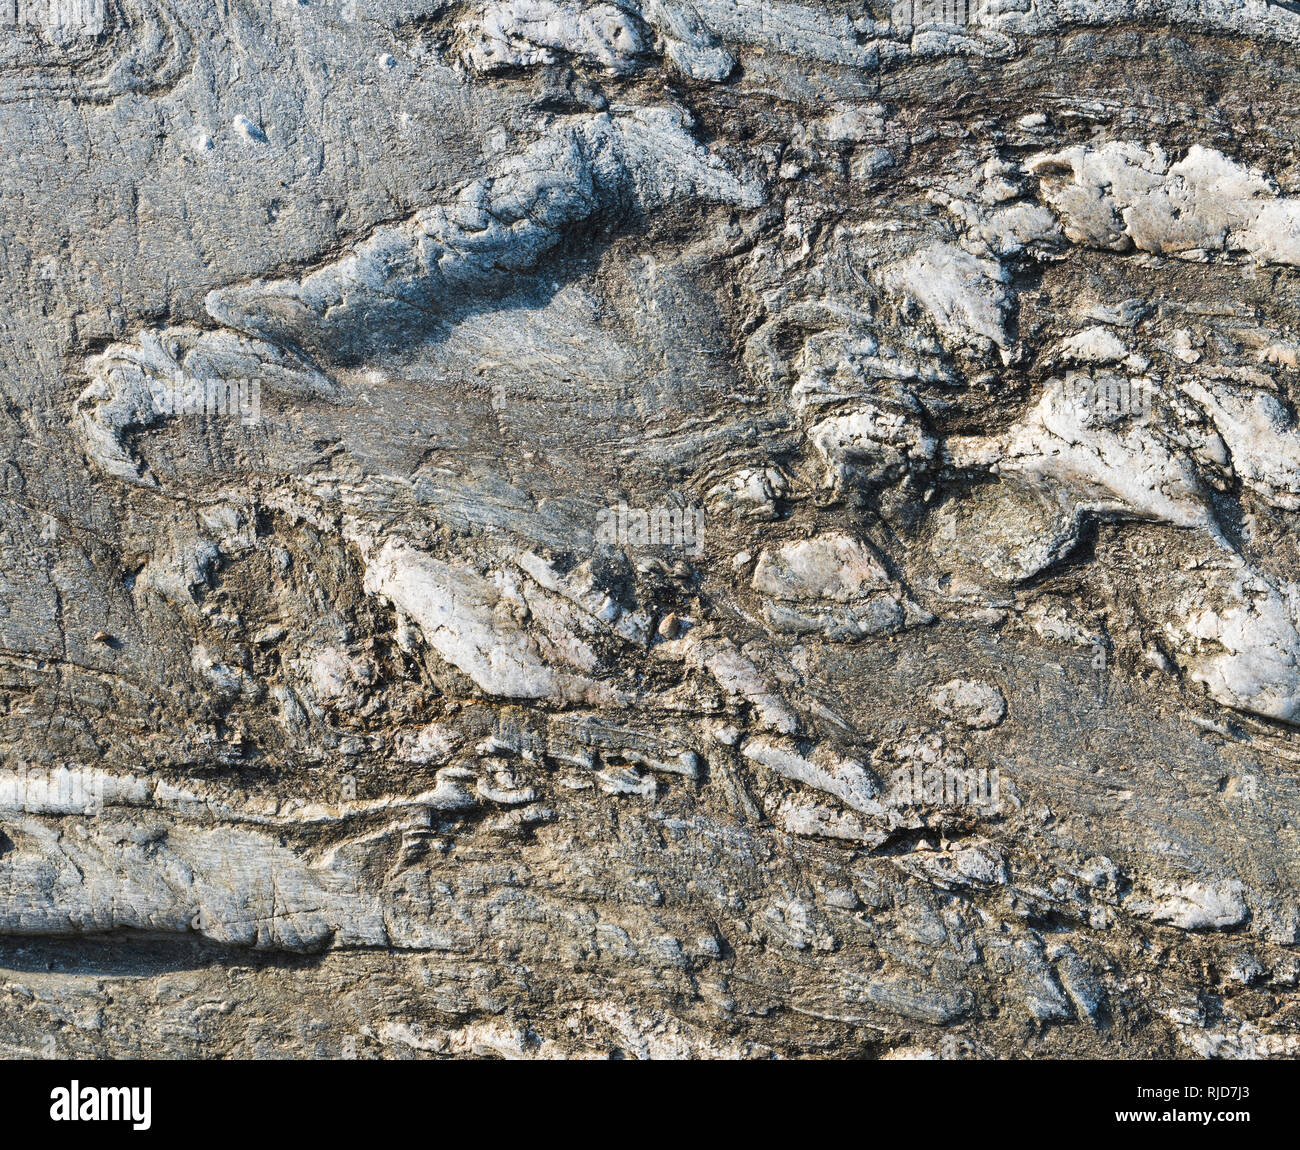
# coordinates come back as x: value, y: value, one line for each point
x: 650, y: 529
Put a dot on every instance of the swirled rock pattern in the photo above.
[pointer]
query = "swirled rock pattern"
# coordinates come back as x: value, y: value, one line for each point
x: 650, y: 529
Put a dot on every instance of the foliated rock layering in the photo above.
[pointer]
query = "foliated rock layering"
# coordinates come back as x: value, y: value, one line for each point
x: 650, y: 529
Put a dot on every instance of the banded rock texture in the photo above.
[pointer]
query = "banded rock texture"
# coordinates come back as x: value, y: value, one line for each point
x: 650, y: 529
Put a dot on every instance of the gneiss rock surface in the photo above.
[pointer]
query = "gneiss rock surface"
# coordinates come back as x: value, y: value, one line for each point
x: 541, y: 529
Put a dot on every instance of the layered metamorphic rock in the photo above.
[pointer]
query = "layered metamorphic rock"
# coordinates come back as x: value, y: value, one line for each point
x: 650, y: 529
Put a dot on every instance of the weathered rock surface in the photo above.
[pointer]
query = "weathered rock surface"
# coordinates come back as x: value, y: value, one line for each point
x: 724, y: 529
